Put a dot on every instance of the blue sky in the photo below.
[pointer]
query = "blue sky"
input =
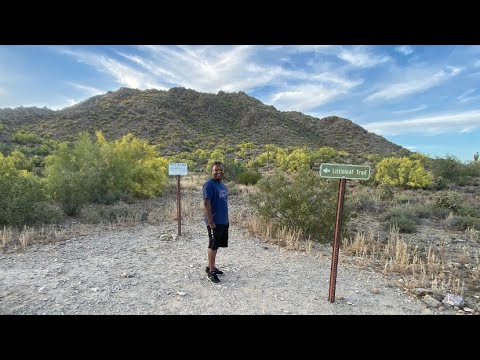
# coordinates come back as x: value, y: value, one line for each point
x: 424, y: 98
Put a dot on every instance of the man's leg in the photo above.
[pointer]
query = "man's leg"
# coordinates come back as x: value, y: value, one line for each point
x: 211, y: 258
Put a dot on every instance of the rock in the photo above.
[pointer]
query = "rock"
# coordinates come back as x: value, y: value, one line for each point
x: 453, y: 300
x: 431, y: 301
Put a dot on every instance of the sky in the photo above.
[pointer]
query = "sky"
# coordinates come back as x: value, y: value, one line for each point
x: 424, y: 98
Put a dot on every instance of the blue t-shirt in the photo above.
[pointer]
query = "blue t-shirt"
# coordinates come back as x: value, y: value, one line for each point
x: 217, y: 193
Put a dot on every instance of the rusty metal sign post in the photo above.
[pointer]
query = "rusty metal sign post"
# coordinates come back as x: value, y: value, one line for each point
x: 336, y: 240
x: 179, y: 208
x: 342, y: 172
x: 178, y: 169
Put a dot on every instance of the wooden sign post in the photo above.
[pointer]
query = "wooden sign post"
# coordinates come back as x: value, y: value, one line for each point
x: 178, y: 169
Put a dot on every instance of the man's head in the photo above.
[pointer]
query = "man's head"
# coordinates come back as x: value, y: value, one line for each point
x: 217, y: 170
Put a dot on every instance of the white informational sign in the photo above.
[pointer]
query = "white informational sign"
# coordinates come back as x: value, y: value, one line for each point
x: 177, y: 168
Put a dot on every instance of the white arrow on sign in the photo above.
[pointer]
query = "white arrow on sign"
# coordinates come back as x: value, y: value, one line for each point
x: 326, y: 170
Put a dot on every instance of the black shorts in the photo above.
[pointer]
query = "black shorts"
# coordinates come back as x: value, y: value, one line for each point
x: 218, y: 237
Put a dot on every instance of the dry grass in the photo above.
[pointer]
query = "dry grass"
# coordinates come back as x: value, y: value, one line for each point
x: 7, y: 236
x: 283, y: 236
x: 471, y: 234
x: 396, y: 256
x: 19, y: 240
x: 192, y: 182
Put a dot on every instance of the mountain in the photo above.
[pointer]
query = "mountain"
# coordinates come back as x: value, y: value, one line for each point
x: 184, y: 119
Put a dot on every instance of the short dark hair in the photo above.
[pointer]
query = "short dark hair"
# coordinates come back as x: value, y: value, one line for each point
x: 217, y: 163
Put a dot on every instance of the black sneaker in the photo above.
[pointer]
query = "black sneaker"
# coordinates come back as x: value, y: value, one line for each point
x: 213, y: 277
x: 215, y: 270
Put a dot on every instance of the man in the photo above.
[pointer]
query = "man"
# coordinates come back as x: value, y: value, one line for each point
x: 215, y: 204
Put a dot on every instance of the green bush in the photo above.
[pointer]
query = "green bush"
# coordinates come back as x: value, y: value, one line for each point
x: 104, y: 172
x: 403, y: 218
x: 402, y: 172
x: 362, y: 201
x: 449, y: 199
x: 461, y: 223
x: 385, y: 191
x: 300, y: 201
x: 71, y: 176
x: 23, y: 200
x: 249, y: 177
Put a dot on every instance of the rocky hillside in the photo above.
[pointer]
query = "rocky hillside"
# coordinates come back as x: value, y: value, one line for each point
x: 183, y: 119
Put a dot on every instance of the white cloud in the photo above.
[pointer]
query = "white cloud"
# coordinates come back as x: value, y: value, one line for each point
x: 436, y: 124
x: 415, y: 85
x: 404, y: 49
x: 343, y: 113
x: 207, y: 68
x: 463, y: 98
x: 123, y: 74
x: 469, y: 98
x: 51, y: 106
x: 361, y: 56
x: 304, y: 97
x: 3, y: 92
x: 421, y: 107
x: 229, y: 68
x: 88, y: 90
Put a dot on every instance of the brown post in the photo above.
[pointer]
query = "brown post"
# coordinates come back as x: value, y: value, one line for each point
x: 179, y: 208
x: 336, y: 241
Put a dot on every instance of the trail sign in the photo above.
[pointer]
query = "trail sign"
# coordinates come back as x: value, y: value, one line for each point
x: 177, y: 168
x: 345, y: 171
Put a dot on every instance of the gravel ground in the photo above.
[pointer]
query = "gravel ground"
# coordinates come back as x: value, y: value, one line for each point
x: 147, y: 269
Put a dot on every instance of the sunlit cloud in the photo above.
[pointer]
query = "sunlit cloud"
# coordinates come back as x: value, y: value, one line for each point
x: 206, y: 68
x: 361, y: 57
x: 463, y: 122
x: 123, y: 74
x: 404, y: 49
x: 88, y: 90
x: 414, y: 85
x: 343, y: 113
x: 53, y: 106
x: 304, y: 97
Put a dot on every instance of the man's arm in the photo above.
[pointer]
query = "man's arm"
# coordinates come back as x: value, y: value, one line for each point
x: 207, y: 206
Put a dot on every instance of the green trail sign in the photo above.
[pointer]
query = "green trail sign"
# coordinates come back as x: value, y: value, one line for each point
x: 345, y: 171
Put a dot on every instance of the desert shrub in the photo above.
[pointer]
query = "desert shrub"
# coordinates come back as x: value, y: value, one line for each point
x: 449, y: 199
x: 470, y: 211
x: 385, y: 191
x: 362, y: 201
x: 429, y: 210
x: 23, y: 200
x: 132, y: 166
x: 299, y: 201
x: 26, y: 137
x: 462, y: 223
x: 249, y: 177
x: 297, y: 160
x: 402, y: 172
x: 403, y: 218
x: 402, y: 199
x: 71, y: 176
x: 440, y: 183
x: 104, y: 172
x: 451, y: 170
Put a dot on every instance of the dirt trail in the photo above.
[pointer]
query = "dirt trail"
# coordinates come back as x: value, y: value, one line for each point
x: 147, y: 269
